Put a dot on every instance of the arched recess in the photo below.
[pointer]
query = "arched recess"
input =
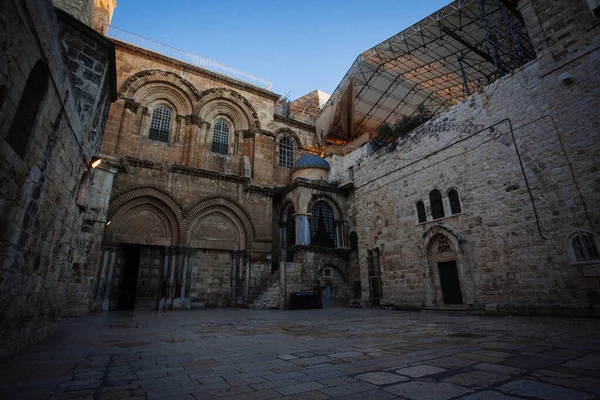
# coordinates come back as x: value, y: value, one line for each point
x: 444, y: 244
x: 141, y: 78
x: 151, y: 203
x: 331, y: 202
x: 217, y: 102
x: 144, y: 220
x: 287, y: 131
x: 283, y: 209
x: 230, y: 212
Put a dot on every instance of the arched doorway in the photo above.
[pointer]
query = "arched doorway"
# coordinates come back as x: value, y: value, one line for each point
x: 140, y: 255
x: 448, y: 278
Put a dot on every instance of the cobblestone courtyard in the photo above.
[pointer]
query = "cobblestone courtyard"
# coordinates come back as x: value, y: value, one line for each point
x: 313, y: 354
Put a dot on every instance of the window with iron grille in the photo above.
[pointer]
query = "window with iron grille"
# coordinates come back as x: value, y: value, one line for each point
x: 322, y: 226
x: 584, y: 246
x: 437, y: 206
x: 160, y: 124
x: 286, y: 152
x: 220, y: 141
x: 454, y: 202
x: 421, y: 214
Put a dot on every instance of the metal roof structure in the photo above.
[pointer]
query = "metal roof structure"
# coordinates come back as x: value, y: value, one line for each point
x: 435, y: 63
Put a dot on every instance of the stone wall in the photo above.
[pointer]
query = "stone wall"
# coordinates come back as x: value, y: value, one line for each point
x: 510, y: 237
x: 43, y: 178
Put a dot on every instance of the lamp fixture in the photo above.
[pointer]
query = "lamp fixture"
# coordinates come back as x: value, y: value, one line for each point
x: 95, y: 162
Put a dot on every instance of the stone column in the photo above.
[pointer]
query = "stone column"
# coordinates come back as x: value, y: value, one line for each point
x: 341, y: 234
x: 302, y: 229
x: 171, y: 282
x: 179, y: 137
x: 282, y: 286
x: 233, y: 300
x: 142, y: 121
x: 102, y: 275
x: 109, y: 278
x: 246, y: 262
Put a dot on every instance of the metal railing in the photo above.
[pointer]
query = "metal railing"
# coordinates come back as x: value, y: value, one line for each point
x: 181, y: 55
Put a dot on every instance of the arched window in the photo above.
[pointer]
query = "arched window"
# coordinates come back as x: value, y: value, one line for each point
x: 290, y: 233
x: 286, y: 152
x: 353, y: 241
x: 322, y: 226
x: 220, y: 137
x: 421, y: 212
x: 437, y: 207
x: 454, y: 202
x: 23, y: 123
x: 583, y: 246
x: 160, y: 124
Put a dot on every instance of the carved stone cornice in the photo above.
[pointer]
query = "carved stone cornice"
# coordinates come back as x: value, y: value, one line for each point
x: 249, y: 133
x: 266, y: 191
x: 310, y: 184
x: 200, y: 71
x: 194, y: 119
x: 293, y: 122
x: 131, y: 105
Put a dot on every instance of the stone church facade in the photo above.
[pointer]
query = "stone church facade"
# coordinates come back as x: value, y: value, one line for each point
x: 209, y: 196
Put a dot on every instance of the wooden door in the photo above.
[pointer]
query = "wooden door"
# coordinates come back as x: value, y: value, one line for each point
x: 149, y: 278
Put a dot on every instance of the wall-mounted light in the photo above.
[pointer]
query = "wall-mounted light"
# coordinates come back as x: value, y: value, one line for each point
x: 108, y: 222
x: 95, y: 162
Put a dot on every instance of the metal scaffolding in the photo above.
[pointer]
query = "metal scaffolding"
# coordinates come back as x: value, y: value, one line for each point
x: 435, y: 63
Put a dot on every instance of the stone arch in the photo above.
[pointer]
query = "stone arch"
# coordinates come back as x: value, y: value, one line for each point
x: 160, y: 200
x: 287, y: 131
x: 283, y: 210
x: 134, y: 82
x: 331, y: 202
x: 221, y: 101
x: 143, y: 218
x: 226, y: 207
x: 451, y: 246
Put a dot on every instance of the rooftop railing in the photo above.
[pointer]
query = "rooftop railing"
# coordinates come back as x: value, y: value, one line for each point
x: 181, y: 55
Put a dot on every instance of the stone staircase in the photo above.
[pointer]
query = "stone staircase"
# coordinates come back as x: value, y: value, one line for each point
x: 264, y: 295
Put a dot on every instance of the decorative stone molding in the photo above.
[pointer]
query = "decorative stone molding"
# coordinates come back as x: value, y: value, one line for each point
x: 338, y: 214
x: 196, y: 120
x: 185, y: 67
x: 215, y: 94
x: 134, y: 82
x: 131, y: 105
x: 134, y: 194
x: 231, y: 206
x: 287, y: 131
x: 309, y: 184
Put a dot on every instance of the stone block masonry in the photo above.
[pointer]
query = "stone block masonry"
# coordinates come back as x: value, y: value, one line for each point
x: 44, y: 175
x: 520, y: 200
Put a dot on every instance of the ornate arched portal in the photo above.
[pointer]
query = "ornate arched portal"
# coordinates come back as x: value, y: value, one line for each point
x: 448, y: 275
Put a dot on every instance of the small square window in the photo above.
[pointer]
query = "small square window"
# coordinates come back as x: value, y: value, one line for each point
x: 327, y: 273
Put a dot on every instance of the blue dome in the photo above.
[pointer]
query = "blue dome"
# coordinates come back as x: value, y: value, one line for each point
x: 311, y: 161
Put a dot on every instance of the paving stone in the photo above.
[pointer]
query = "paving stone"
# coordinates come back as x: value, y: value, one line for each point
x: 530, y: 362
x: 286, y: 356
x: 418, y: 371
x: 427, y: 390
x: 451, y: 362
x: 348, y: 389
x: 381, y: 378
x: 541, y: 390
x: 488, y: 395
x: 475, y: 378
x: 499, y: 369
x: 371, y: 395
x: 340, y: 380
x: 299, y: 388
